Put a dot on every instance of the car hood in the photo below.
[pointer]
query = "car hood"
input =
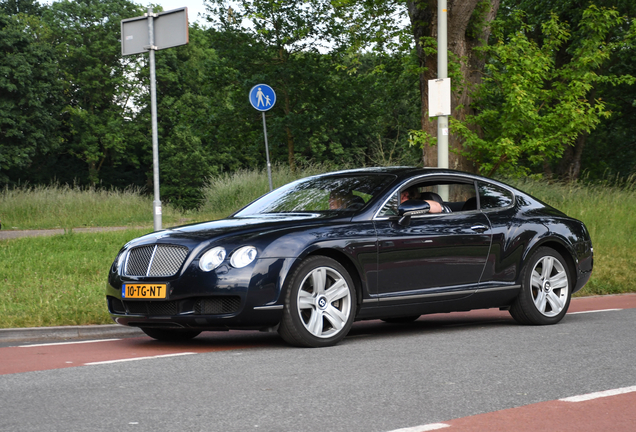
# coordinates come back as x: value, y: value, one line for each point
x: 245, y: 226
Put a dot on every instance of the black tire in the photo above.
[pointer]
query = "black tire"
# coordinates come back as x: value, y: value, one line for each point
x: 401, y: 320
x: 546, y: 289
x: 170, y: 335
x: 322, y: 315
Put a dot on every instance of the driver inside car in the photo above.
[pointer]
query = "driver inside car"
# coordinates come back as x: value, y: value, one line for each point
x: 412, y: 193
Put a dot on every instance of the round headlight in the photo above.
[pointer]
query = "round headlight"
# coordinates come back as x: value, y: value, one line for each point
x: 212, y: 259
x: 243, y: 256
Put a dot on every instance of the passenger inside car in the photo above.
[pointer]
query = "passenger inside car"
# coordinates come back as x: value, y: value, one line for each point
x: 340, y: 200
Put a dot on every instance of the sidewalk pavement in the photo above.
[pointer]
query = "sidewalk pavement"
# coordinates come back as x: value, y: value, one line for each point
x: 45, y: 334
x: 9, y: 234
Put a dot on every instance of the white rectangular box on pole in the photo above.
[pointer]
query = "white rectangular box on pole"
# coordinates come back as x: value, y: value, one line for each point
x: 439, y: 97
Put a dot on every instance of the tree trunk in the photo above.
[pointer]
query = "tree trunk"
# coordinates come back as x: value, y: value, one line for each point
x: 569, y: 167
x: 290, y: 137
x: 463, y: 36
x: 423, y: 16
x: 290, y: 150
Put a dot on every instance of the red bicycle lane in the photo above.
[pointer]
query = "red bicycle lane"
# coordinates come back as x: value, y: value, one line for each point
x: 610, y: 410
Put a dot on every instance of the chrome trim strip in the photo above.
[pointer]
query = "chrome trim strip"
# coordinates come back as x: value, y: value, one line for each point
x: 273, y: 307
x: 501, y: 288
x: 124, y: 266
x: 419, y: 296
x: 152, y: 258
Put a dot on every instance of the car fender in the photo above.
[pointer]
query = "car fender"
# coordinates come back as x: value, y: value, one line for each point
x: 554, y: 240
x: 337, y: 250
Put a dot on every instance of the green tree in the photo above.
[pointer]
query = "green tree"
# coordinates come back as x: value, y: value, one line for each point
x: 188, y: 104
x: 610, y: 147
x: 287, y: 38
x: 30, y: 93
x: 530, y: 104
x: 383, y: 25
x: 86, y: 37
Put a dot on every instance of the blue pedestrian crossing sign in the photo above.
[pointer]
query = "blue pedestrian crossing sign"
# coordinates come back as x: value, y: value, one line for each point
x: 262, y: 97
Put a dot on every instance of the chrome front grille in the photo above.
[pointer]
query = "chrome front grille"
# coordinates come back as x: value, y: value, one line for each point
x: 155, y: 260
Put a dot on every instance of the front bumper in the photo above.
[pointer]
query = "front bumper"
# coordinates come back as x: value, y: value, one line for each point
x: 225, y: 298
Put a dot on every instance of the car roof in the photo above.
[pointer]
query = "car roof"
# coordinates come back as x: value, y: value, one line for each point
x: 404, y: 172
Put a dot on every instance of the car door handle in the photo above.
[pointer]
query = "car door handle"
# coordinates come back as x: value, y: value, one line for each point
x: 479, y: 228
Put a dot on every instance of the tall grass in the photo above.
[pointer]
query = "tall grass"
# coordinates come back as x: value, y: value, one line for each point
x: 67, y: 207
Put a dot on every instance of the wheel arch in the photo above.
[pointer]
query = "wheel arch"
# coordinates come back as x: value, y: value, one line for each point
x: 562, y: 249
x: 339, y: 256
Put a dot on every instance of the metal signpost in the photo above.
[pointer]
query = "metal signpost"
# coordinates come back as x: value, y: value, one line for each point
x: 262, y: 97
x: 439, y: 93
x: 149, y: 33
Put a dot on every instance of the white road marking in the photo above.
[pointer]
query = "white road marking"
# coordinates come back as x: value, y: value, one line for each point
x: 593, y: 311
x: 138, y: 358
x: 601, y: 394
x: 423, y: 428
x: 67, y: 343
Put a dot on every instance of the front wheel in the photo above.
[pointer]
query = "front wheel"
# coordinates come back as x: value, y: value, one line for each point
x: 319, y: 304
x: 545, y: 289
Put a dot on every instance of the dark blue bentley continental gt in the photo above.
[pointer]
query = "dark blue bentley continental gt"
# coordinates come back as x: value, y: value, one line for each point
x: 315, y: 255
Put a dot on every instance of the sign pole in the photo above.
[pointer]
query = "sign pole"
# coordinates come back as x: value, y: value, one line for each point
x: 139, y: 35
x: 269, y: 166
x: 442, y: 73
x: 155, y: 133
x: 262, y: 97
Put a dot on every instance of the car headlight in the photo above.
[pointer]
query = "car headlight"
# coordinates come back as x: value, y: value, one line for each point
x: 243, y: 256
x: 212, y: 259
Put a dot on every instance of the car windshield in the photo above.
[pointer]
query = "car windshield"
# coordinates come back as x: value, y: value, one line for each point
x: 324, y: 194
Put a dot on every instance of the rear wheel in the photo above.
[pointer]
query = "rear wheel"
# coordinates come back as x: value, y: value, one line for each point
x: 545, y: 289
x: 170, y: 335
x: 319, y: 304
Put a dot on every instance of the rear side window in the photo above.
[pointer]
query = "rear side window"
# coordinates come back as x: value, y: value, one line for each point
x: 494, y: 197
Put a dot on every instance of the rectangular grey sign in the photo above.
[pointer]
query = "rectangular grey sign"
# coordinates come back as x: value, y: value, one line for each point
x: 170, y: 30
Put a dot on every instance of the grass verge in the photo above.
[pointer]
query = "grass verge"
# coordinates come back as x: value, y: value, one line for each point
x: 57, y: 280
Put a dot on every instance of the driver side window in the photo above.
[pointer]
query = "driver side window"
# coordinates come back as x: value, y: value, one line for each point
x: 453, y: 197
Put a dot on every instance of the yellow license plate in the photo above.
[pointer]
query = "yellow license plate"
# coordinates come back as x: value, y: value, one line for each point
x: 144, y: 291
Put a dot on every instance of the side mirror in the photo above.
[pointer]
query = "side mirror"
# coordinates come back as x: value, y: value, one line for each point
x: 411, y: 208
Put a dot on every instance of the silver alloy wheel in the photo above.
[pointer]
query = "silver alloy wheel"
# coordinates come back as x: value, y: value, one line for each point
x: 550, y: 286
x: 324, y: 302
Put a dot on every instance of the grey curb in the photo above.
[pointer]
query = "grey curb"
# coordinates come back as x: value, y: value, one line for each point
x: 32, y: 334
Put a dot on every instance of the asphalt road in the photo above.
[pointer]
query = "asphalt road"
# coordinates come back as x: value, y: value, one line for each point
x: 381, y: 378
